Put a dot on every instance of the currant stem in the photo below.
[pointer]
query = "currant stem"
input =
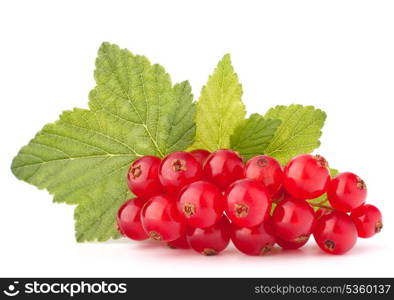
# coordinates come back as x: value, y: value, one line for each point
x: 276, y: 201
x: 321, y: 205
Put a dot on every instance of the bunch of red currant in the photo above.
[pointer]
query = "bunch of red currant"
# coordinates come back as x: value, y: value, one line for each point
x: 203, y: 200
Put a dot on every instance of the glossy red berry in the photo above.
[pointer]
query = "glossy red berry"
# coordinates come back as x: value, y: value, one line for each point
x: 142, y: 177
x: 257, y: 240
x: 212, y: 240
x: 292, y: 245
x: 223, y: 167
x: 346, y: 192
x: 177, y: 170
x: 180, y: 243
x: 335, y: 233
x: 129, y: 219
x: 306, y: 176
x: 247, y: 203
x: 293, y: 220
x: 266, y: 170
x: 368, y: 220
x: 161, y: 219
x: 201, y: 204
x: 200, y: 155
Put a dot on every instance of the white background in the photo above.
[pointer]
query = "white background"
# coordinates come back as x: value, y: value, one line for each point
x: 335, y: 55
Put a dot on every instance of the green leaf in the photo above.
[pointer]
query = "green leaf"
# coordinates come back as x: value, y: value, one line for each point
x: 251, y: 137
x: 83, y: 157
x: 73, y: 154
x: 130, y: 89
x: 333, y: 172
x: 183, y: 129
x: 94, y: 217
x: 298, y: 133
x: 219, y: 108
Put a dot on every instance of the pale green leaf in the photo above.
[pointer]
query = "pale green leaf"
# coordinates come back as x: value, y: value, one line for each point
x: 182, y: 127
x: 141, y: 95
x: 75, y: 153
x: 219, y: 108
x: 83, y: 157
x: 95, y: 217
x: 251, y: 137
x: 298, y: 133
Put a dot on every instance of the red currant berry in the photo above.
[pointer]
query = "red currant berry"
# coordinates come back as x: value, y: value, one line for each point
x: 292, y: 245
x: 306, y: 176
x: 368, y: 220
x: 212, y: 240
x: 142, y: 177
x: 201, y: 204
x: 247, y: 203
x: 335, y: 233
x: 177, y: 170
x: 346, y: 192
x: 293, y: 220
x: 266, y: 170
x: 200, y: 155
x: 161, y: 219
x: 223, y: 167
x: 257, y: 240
x: 129, y: 219
x: 180, y: 243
